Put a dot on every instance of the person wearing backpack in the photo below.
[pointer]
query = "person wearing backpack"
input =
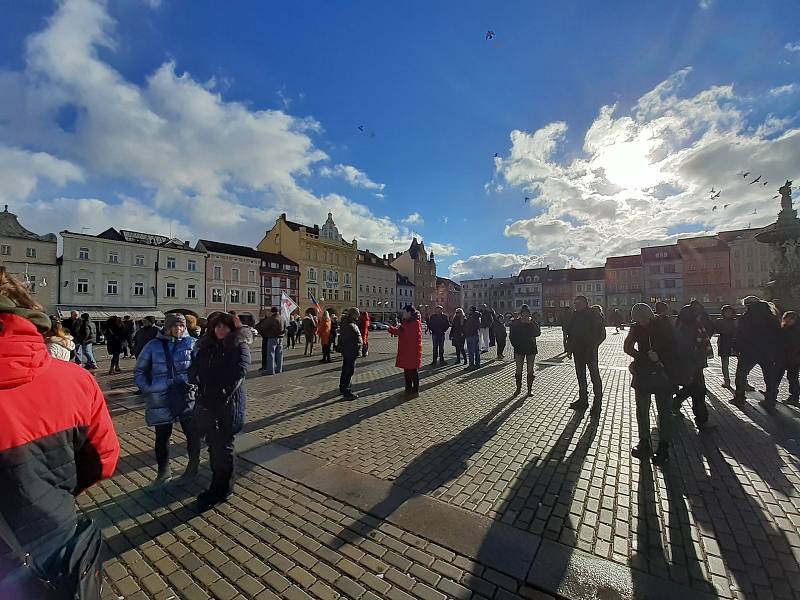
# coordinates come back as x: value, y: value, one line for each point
x: 162, y: 375
x: 585, y: 331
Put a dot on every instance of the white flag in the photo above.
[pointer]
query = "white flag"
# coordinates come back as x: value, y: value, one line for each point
x: 288, y: 306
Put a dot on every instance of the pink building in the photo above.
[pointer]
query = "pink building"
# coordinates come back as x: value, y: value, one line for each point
x: 233, y: 279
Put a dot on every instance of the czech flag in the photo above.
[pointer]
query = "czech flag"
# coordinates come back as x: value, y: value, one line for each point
x: 315, y: 304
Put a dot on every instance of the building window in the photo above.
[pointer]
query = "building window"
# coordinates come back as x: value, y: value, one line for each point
x: 235, y: 296
x: 191, y: 265
x: 347, y: 279
x: 171, y: 262
x: 171, y: 290
x: 217, y: 272
x: 580, y: 287
x: 251, y: 276
x: 235, y: 274
x: 83, y: 286
x: 138, y: 289
x: 312, y: 291
x: 251, y: 296
x: 669, y: 268
x: 346, y: 295
x: 312, y: 275
x: 111, y: 288
x: 30, y: 252
x: 113, y: 257
x: 83, y: 254
x: 191, y: 291
x: 216, y: 295
x: 139, y: 260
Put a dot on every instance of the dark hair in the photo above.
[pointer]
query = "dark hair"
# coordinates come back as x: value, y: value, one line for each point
x: 687, y: 316
x: 273, y: 310
x: 85, y: 316
x: 524, y: 308
x: 584, y: 298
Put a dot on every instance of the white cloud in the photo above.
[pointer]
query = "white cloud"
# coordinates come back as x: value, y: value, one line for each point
x: 790, y: 88
x: 413, y: 219
x: 353, y: 176
x: 645, y: 173
x: 792, y: 46
x: 705, y: 4
x: 207, y: 166
x: 21, y: 171
x: 441, y: 250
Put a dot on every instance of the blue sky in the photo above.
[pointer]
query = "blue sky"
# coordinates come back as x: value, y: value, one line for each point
x: 209, y: 119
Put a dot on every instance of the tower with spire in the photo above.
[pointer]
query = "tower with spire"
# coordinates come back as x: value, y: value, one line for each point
x: 419, y: 267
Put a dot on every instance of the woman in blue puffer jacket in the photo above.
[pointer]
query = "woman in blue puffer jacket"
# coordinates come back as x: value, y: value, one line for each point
x: 162, y: 375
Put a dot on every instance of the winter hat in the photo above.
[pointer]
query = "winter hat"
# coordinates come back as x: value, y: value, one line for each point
x: 38, y: 318
x: 641, y: 311
x: 750, y: 300
x: 525, y: 309
x: 174, y: 319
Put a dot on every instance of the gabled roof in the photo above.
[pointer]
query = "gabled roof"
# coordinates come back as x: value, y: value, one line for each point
x: 589, y: 274
x: 446, y: 281
x: 366, y: 257
x: 276, y: 258
x: 403, y: 280
x: 10, y: 227
x: 296, y: 226
x: 540, y: 271
x: 223, y: 248
x: 622, y: 262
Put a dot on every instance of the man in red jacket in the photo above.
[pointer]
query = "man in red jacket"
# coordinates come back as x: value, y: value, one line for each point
x: 56, y: 437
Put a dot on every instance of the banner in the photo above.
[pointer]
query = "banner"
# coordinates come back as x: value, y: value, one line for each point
x: 315, y: 304
x: 288, y: 306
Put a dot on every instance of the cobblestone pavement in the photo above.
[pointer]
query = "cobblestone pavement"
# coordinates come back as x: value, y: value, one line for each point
x: 722, y: 519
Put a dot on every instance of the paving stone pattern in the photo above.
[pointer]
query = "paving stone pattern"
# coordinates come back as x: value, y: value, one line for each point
x: 723, y: 517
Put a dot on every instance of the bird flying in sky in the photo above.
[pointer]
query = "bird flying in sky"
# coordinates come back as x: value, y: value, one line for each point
x: 745, y: 174
x: 361, y: 128
x: 756, y: 180
x: 725, y: 206
x: 715, y: 208
x: 489, y: 34
x: 497, y: 155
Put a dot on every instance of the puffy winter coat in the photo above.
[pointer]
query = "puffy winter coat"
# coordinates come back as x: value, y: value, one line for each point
x: 56, y: 439
x: 585, y: 331
x: 309, y: 325
x: 219, y: 370
x: 152, y: 374
x: 60, y: 348
x: 349, y: 339
x: 363, y: 326
x: 757, y: 334
x: 115, y: 338
x: 457, y: 331
x: 409, y: 343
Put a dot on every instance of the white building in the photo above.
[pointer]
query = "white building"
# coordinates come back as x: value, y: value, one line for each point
x: 376, y: 280
x: 405, y: 292
x: 129, y: 273
x: 31, y: 258
x: 528, y: 289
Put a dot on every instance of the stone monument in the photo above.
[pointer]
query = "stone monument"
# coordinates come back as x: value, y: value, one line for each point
x: 783, y: 238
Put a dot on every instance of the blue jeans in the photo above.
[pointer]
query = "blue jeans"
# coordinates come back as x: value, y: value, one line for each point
x: 272, y: 360
x: 85, y: 350
x: 438, y: 346
x: 474, y: 351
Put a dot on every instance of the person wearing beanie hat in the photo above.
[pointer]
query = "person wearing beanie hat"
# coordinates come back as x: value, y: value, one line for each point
x: 56, y: 440
x: 649, y: 343
x: 162, y: 376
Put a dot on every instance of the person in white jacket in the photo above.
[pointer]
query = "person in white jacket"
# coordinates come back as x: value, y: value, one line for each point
x: 59, y: 342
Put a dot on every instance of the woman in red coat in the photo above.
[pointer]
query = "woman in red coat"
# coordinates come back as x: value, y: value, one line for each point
x: 363, y: 326
x: 409, y: 347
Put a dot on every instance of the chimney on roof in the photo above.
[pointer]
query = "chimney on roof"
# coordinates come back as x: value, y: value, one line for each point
x: 283, y: 216
x: 186, y: 244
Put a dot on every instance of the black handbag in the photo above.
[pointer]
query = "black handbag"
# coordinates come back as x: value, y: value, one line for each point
x: 180, y: 394
x: 74, y: 573
x: 651, y: 377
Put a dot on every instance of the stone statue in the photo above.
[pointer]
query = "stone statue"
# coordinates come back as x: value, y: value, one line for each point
x: 786, y: 195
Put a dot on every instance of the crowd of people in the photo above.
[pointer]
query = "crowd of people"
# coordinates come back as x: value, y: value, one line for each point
x: 193, y: 374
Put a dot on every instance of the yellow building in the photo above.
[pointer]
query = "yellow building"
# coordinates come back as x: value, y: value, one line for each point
x: 327, y: 262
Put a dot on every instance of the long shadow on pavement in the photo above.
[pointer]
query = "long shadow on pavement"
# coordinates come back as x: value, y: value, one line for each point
x: 441, y: 462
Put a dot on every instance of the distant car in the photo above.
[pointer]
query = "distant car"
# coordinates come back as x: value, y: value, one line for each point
x: 380, y: 326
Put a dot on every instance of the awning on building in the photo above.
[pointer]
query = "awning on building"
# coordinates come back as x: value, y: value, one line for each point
x: 96, y: 314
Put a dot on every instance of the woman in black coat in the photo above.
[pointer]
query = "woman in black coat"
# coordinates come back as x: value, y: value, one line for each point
x: 115, y: 341
x: 457, y: 335
x: 219, y: 370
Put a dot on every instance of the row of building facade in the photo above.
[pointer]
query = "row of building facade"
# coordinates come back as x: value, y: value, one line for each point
x: 129, y: 272
x: 716, y: 270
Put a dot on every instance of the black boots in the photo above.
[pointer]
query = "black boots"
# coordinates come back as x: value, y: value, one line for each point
x: 519, y: 383
x: 661, y: 456
x: 642, y: 450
